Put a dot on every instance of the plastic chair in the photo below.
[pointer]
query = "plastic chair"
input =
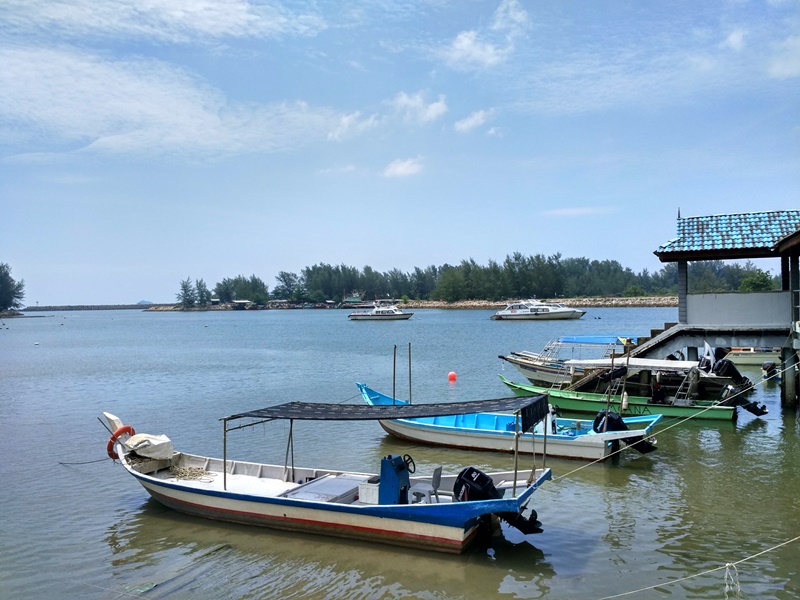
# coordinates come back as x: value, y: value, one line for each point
x: 421, y: 492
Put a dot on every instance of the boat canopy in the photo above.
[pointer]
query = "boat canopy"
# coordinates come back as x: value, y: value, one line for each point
x: 654, y: 364
x: 534, y: 408
x: 598, y: 339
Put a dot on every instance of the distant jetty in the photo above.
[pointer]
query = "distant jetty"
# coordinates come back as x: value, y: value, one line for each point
x: 596, y: 302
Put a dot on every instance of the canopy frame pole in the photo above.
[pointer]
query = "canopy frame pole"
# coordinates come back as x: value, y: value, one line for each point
x: 516, y: 451
x: 394, y: 374
x: 409, y: 372
x: 289, y: 445
x: 225, y: 454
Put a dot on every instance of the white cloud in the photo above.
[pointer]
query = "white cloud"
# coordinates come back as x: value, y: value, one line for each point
x: 413, y: 108
x: 66, y: 98
x: 510, y: 16
x: 350, y: 125
x: 170, y: 20
x: 735, y: 40
x: 403, y: 168
x: 786, y: 64
x: 474, y: 120
x: 468, y: 52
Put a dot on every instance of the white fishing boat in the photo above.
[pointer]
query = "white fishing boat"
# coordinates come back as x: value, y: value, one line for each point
x: 548, y: 367
x: 535, y: 310
x: 444, y: 512
x: 584, y: 439
x: 380, y: 312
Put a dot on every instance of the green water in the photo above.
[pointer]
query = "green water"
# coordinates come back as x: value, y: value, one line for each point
x: 713, y: 494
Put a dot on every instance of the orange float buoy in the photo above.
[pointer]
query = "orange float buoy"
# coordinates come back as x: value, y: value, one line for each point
x: 451, y: 376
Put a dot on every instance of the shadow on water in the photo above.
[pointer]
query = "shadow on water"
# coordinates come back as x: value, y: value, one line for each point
x: 160, y: 553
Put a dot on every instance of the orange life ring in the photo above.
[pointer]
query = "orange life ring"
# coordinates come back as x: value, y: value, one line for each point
x: 114, y: 437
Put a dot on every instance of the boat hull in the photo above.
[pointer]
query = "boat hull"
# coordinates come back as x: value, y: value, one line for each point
x: 312, y: 520
x: 400, y: 317
x: 539, y: 317
x: 590, y: 403
x: 253, y: 494
x: 500, y: 442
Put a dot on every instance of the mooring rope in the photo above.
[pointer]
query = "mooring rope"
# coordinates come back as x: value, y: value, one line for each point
x: 675, y: 423
x: 730, y: 580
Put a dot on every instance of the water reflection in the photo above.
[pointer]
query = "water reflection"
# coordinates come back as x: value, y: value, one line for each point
x: 163, y: 552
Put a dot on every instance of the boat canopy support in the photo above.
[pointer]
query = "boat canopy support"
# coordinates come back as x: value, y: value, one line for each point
x: 532, y: 410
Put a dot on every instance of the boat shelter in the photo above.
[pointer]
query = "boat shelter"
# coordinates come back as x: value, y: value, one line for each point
x: 757, y: 319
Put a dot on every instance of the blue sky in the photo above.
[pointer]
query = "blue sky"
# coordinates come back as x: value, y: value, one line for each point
x: 144, y: 142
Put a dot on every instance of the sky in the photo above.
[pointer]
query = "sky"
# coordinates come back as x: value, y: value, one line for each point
x: 144, y: 142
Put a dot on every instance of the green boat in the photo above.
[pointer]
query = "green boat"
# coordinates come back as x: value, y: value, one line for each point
x: 592, y: 403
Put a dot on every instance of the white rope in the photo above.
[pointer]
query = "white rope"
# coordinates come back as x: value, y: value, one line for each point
x: 667, y: 428
x: 732, y: 581
x: 729, y: 580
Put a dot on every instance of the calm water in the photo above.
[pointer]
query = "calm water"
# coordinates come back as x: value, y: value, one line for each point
x: 710, y: 495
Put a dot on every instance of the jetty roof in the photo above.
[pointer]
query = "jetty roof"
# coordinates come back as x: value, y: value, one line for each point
x: 732, y: 236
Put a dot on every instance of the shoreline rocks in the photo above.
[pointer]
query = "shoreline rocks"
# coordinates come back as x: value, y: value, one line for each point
x: 596, y: 302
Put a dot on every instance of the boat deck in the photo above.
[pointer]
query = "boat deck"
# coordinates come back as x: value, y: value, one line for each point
x: 253, y: 479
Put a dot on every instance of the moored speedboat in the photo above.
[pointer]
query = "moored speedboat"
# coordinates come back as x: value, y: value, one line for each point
x: 380, y: 312
x: 534, y: 310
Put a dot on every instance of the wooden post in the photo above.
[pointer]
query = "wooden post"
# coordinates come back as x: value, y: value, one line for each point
x: 409, y: 372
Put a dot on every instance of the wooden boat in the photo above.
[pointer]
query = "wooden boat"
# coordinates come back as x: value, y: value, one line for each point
x: 566, y: 438
x: 380, y: 312
x: 590, y: 403
x: 535, y: 310
x: 547, y: 367
x: 380, y: 507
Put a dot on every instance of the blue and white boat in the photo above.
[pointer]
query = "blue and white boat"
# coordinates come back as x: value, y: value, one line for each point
x: 442, y: 512
x: 585, y: 439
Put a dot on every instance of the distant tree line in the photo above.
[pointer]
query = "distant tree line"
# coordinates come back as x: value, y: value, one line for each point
x: 518, y: 276
x: 11, y: 292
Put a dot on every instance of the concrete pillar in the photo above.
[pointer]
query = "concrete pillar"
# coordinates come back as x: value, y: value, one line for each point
x: 789, y: 379
x: 683, y: 289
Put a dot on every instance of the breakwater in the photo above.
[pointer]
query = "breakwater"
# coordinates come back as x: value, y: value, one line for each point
x: 594, y: 302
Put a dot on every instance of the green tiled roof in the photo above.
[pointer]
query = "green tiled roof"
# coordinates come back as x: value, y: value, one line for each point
x: 745, y: 231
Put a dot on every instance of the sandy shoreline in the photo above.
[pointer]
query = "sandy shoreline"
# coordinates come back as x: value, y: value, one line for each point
x: 597, y: 302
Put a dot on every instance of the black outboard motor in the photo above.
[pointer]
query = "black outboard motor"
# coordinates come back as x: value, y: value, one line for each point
x: 615, y: 374
x: 611, y: 421
x: 473, y: 484
x: 769, y: 370
x: 725, y: 368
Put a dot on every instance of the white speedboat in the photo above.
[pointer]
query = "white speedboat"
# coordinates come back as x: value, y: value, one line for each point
x: 380, y: 312
x: 533, y: 310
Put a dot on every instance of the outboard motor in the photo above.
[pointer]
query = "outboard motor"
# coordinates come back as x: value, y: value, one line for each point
x: 725, y: 368
x: 394, y: 482
x: 615, y: 374
x: 473, y: 484
x: 611, y: 421
x: 769, y: 370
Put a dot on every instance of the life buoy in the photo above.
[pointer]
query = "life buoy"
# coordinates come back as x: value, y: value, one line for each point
x: 114, y: 437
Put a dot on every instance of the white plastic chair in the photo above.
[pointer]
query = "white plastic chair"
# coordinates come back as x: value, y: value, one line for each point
x: 421, y: 492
